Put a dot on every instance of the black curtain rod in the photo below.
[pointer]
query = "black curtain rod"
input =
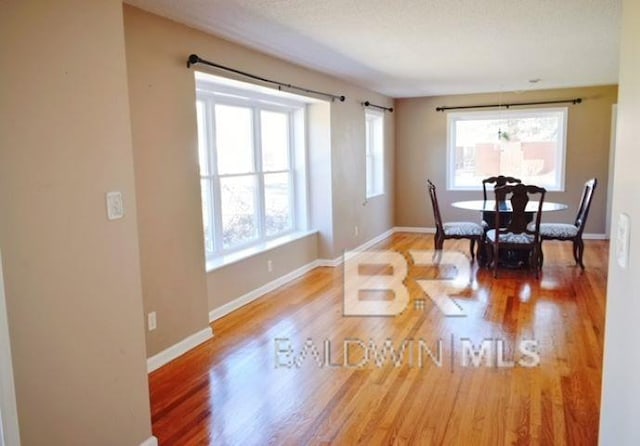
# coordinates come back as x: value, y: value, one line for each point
x: 195, y: 59
x: 515, y: 104
x: 379, y: 107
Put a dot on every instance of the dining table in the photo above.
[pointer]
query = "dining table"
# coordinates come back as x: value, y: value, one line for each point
x: 488, y: 208
x: 505, y: 206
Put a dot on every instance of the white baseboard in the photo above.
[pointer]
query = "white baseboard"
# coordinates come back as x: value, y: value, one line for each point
x: 151, y: 441
x: 165, y: 356
x: 179, y: 349
x: 592, y: 236
x: 243, y: 300
x: 249, y: 297
x: 375, y: 240
x: 419, y: 230
x: 331, y: 263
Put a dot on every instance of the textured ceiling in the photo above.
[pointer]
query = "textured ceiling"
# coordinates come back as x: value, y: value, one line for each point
x: 406, y: 48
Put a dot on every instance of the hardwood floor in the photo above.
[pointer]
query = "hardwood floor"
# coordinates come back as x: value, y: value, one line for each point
x: 244, y: 387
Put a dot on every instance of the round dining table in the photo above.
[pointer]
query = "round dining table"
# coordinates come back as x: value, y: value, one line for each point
x: 510, y: 259
x: 505, y: 206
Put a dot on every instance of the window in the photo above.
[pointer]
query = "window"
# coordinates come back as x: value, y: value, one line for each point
x: 527, y: 144
x: 374, y: 146
x: 246, y: 145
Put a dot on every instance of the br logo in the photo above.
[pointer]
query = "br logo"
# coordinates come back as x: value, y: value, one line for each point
x: 385, y: 271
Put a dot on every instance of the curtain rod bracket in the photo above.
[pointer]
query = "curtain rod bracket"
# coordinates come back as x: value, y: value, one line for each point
x: 194, y: 59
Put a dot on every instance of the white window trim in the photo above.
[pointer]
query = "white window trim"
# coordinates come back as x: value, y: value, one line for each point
x: 375, y: 114
x: 218, y: 262
x: 214, y: 90
x: 561, y: 155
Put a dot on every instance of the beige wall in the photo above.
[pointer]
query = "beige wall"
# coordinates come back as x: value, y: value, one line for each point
x: 72, y: 277
x: 621, y: 387
x: 162, y: 93
x: 350, y: 207
x: 421, y: 146
x: 252, y: 273
x: 163, y: 122
x: 319, y: 178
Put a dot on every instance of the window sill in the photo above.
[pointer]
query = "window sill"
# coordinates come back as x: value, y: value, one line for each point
x: 371, y: 197
x: 215, y: 263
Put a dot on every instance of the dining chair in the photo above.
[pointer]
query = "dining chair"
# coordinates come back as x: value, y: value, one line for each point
x: 497, y: 181
x: 488, y: 218
x: 455, y: 229
x: 572, y: 232
x: 518, y: 234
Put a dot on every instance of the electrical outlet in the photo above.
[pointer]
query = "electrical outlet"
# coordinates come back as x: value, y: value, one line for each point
x: 151, y: 321
x: 269, y: 266
x: 115, y: 206
x: 356, y: 231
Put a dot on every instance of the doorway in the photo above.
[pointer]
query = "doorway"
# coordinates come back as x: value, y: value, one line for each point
x: 612, y: 159
x: 9, y: 432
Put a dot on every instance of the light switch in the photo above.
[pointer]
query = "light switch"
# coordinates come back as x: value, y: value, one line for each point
x: 152, y: 322
x: 622, y: 241
x: 115, y: 207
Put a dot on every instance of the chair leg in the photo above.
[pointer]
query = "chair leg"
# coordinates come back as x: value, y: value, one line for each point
x: 580, y: 253
x: 576, y: 249
x: 481, y: 253
x: 472, y: 249
x: 438, y: 240
x: 437, y: 257
x: 495, y: 261
x: 484, y: 255
x: 540, y: 257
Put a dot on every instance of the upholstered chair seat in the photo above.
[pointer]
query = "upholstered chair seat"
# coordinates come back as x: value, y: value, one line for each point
x: 558, y: 230
x: 462, y: 228
x: 510, y: 237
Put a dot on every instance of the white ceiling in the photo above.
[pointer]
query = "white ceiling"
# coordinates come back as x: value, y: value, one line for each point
x: 405, y: 48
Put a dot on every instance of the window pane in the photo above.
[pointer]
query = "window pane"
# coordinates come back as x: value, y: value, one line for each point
x: 374, y: 156
x: 206, y: 216
x: 234, y: 139
x: 277, y: 198
x: 275, y: 140
x: 202, y: 138
x: 238, y: 200
x: 528, y: 145
x: 369, y: 175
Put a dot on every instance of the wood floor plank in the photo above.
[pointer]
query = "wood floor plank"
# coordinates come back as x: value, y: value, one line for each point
x: 235, y: 389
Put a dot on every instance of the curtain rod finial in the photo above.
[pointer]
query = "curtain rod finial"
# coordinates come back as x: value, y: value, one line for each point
x: 342, y: 98
x: 193, y: 59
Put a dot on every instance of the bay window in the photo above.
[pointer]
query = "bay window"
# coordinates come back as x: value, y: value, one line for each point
x: 247, y: 169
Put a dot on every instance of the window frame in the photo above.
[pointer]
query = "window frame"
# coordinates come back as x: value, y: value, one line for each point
x: 560, y: 156
x: 373, y: 156
x: 212, y: 94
